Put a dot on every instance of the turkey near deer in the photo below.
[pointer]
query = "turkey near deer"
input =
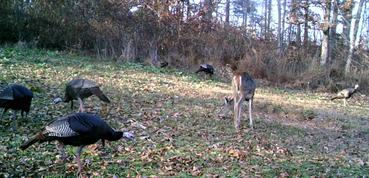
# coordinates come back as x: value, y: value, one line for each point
x: 346, y: 94
x: 17, y: 98
x: 79, y: 89
x: 78, y: 129
x: 206, y: 68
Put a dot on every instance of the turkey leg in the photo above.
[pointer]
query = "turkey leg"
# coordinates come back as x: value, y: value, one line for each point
x: 80, y: 105
x: 14, y: 123
x: 78, y: 158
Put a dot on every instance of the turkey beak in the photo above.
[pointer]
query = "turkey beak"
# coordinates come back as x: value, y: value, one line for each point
x: 129, y: 136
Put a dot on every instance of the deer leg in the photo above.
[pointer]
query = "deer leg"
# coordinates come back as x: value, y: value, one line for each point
x: 344, y: 102
x: 240, y: 112
x: 250, y: 113
x: 80, y: 105
x: 237, y: 116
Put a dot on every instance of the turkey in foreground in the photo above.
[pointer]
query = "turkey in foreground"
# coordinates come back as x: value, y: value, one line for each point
x: 16, y: 97
x: 206, y: 68
x: 346, y: 94
x: 78, y: 129
x: 79, y: 89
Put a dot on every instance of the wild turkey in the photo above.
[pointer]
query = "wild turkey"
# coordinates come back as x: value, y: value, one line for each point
x: 243, y: 87
x: 346, y: 94
x: 79, y: 89
x: 79, y: 129
x: 163, y: 64
x: 206, y: 68
x: 16, y: 97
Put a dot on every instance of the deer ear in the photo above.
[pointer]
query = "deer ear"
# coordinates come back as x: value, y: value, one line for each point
x: 227, y: 100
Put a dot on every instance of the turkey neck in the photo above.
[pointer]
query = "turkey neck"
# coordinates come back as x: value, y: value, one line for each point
x: 115, y: 136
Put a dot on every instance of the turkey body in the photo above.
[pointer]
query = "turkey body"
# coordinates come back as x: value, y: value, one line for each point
x: 346, y: 94
x: 206, y: 68
x: 17, y: 98
x: 78, y: 129
x: 79, y: 89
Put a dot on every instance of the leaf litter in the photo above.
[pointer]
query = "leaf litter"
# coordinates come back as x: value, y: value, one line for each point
x: 175, y: 116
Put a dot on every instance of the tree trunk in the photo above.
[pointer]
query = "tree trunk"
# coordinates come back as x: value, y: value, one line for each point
x: 294, y: 22
x: 283, y: 23
x: 208, y: 10
x: 347, y: 7
x: 269, y: 16
x: 306, y: 23
x: 333, y: 32
x: 298, y: 34
x: 265, y: 18
x: 325, y: 43
x: 353, y: 36
x: 227, y: 9
x: 153, y: 52
x: 279, y: 33
x: 188, y: 11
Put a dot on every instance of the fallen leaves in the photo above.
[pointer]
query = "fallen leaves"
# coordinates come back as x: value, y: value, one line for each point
x: 174, y: 115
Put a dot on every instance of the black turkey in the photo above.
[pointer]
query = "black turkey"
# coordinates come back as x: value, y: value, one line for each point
x: 164, y: 64
x: 206, y: 68
x: 79, y: 129
x: 79, y: 89
x: 17, y: 98
x: 346, y: 94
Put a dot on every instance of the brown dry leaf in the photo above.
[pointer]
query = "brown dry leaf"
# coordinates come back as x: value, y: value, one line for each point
x: 239, y: 154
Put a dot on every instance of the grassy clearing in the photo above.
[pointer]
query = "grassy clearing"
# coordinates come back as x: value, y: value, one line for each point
x: 174, y: 114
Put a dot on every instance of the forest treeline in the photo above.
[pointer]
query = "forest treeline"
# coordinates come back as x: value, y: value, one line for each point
x: 300, y: 48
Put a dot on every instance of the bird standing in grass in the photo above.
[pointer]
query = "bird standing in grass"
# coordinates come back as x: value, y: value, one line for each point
x: 206, y: 68
x: 78, y: 129
x: 79, y: 89
x: 16, y: 97
x: 346, y: 94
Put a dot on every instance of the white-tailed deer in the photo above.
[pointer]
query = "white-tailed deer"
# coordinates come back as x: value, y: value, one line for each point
x: 243, y: 87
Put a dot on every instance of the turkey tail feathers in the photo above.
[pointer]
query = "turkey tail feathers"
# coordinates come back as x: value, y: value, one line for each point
x: 30, y: 142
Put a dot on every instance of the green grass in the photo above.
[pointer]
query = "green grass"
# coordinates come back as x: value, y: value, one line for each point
x: 297, y: 134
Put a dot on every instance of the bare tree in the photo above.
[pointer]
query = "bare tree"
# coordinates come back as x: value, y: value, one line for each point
x: 353, y: 35
x: 346, y: 8
x: 306, y: 22
x: 333, y: 32
x: 283, y: 20
x: 325, y: 28
x: 279, y: 30
x: 269, y: 15
x: 227, y: 10
x: 265, y: 18
x: 245, y: 9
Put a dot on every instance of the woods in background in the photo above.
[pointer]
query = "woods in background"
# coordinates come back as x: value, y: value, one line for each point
x: 317, y: 42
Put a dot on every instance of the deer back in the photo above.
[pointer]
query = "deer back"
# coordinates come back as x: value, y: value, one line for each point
x: 243, y: 85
